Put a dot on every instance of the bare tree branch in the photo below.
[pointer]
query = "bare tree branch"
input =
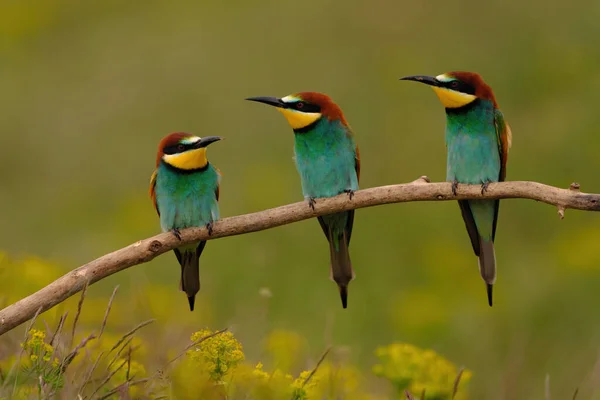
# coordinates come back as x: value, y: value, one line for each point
x: 147, y: 249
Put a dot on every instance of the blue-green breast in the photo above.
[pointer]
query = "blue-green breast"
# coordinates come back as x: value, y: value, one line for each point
x: 186, y: 199
x: 326, y: 159
x: 473, y: 155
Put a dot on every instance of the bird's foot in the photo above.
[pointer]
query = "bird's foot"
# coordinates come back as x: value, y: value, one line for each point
x: 209, y: 227
x: 350, y: 193
x: 454, y: 187
x: 311, y: 203
x: 484, y: 186
x: 176, y: 232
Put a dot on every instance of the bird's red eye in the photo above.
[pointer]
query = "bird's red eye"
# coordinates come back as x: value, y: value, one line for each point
x: 180, y: 147
x: 299, y: 105
x: 454, y: 84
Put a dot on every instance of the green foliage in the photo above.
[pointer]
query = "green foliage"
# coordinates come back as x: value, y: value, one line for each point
x: 213, y: 366
x: 219, y: 361
x: 40, y: 367
x: 419, y: 371
x: 218, y: 355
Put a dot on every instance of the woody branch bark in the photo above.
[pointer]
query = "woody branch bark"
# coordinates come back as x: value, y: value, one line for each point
x: 147, y: 249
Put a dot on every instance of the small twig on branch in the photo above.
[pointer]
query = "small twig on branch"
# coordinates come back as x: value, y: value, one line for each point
x: 147, y: 249
x: 561, y: 208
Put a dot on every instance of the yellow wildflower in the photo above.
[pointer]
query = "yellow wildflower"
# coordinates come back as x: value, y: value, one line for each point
x: 37, y: 334
x: 36, y: 347
x: 259, y: 373
x: 414, y: 369
x: 39, y: 360
x: 344, y: 380
x: 218, y: 354
x: 301, y: 388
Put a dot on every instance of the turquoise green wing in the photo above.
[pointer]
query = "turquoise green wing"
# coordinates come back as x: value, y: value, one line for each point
x: 504, y: 135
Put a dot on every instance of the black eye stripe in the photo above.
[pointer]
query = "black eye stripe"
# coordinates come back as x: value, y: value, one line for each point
x: 304, y: 107
x: 174, y: 148
x: 459, y: 86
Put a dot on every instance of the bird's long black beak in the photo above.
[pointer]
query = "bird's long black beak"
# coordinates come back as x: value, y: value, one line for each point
x: 272, y: 101
x: 205, y: 141
x: 428, y: 80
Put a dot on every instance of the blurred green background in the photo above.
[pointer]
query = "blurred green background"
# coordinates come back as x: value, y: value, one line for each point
x: 89, y: 88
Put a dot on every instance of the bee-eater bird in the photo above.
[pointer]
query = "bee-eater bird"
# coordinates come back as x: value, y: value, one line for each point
x: 477, y: 140
x: 185, y: 191
x: 328, y: 161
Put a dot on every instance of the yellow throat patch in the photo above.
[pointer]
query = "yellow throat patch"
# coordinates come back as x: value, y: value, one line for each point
x: 188, y: 160
x: 297, y: 119
x: 453, y: 99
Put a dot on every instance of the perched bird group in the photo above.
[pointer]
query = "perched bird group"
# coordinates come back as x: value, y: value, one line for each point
x: 185, y: 186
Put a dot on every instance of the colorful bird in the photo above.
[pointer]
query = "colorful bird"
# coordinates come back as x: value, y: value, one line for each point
x: 185, y: 191
x: 328, y: 161
x: 477, y: 140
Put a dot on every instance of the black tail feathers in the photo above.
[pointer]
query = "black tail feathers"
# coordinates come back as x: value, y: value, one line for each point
x: 341, y: 267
